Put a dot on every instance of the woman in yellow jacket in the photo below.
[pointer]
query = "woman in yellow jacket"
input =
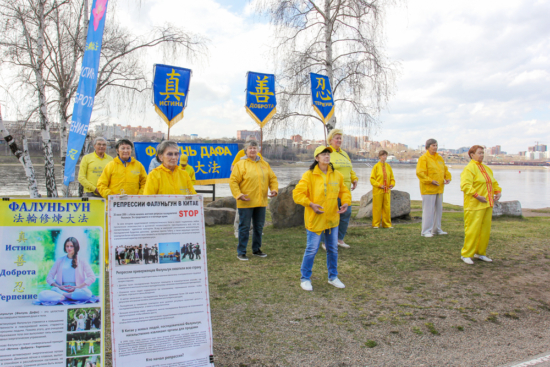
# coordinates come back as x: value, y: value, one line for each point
x: 342, y: 163
x: 481, y: 191
x: 249, y: 181
x: 169, y: 178
x: 382, y: 181
x: 320, y: 191
x: 124, y: 175
x: 433, y: 175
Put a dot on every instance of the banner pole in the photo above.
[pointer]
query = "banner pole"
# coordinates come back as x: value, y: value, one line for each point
x: 325, y: 130
x: 261, y: 138
x: 168, y: 133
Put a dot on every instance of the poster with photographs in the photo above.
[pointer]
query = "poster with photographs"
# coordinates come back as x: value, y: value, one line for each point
x: 160, y: 313
x: 52, y: 282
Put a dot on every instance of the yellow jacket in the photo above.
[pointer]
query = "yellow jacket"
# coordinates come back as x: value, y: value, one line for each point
x: 162, y: 181
x: 312, y: 188
x: 91, y: 167
x: 432, y: 168
x: 477, y: 180
x: 118, y: 179
x: 381, y: 175
x: 191, y: 172
x: 252, y: 179
x: 342, y: 163
x: 239, y: 156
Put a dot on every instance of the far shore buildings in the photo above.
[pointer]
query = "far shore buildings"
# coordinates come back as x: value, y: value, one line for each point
x: 114, y: 132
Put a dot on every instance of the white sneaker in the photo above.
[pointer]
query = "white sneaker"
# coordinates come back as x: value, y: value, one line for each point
x: 389, y: 227
x: 441, y: 233
x: 323, y: 246
x: 467, y: 260
x: 428, y: 235
x: 344, y: 245
x: 306, y: 285
x: 337, y: 283
x: 375, y: 227
x: 483, y: 258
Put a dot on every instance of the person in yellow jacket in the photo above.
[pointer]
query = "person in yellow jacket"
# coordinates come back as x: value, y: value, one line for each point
x: 92, y: 166
x: 481, y: 191
x: 321, y: 190
x: 433, y: 175
x: 342, y: 163
x: 124, y: 175
x: 188, y: 168
x: 249, y: 181
x: 241, y: 154
x: 169, y: 178
x: 382, y: 181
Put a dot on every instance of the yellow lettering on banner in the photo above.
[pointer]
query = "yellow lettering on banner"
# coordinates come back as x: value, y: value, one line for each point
x: 219, y: 150
x: 204, y: 152
x: 184, y: 151
x: 262, y: 90
x: 226, y: 151
x: 321, y: 93
x: 192, y: 152
x: 172, y: 86
x: 213, y: 151
x: 150, y: 151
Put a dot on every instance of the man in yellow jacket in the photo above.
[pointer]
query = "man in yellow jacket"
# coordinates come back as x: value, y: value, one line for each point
x: 382, y: 181
x: 318, y: 191
x: 124, y: 175
x: 249, y: 181
x: 92, y: 166
x: 433, y: 175
x: 341, y: 162
x: 169, y: 178
x: 481, y: 191
x: 188, y: 168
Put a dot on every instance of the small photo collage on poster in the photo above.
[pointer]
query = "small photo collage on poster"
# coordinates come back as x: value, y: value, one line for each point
x: 163, y: 253
x: 83, y: 344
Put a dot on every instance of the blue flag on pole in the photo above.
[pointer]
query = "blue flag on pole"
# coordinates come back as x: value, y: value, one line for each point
x: 84, y: 99
x: 260, y: 97
x: 321, y: 95
x: 170, y: 91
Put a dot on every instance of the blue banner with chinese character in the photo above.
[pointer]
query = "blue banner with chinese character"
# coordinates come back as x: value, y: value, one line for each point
x: 211, y: 162
x: 321, y: 95
x: 170, y: 91
x: 85, y: 94
x: 261, y: 102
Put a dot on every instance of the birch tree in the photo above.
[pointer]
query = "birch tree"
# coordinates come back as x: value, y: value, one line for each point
x: 342, y: 39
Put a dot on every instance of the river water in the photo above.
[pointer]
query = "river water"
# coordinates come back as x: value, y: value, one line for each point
x: 530, y: 186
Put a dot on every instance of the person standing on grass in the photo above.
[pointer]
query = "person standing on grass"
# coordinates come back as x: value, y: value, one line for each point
x: 433, y: 175
x: 481, y: 191
x: 320, y: 191
x: 92, y: 166
x: 249, y: 182
x: 382, y: 181
x: 341, y: 162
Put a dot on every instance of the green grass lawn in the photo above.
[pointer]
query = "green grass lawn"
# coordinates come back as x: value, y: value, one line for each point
x: 401, y: 288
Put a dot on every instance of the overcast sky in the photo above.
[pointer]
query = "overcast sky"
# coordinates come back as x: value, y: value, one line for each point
x: 471, y: 72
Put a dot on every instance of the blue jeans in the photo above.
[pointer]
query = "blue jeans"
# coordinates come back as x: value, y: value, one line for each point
x: 344, y: 223
x: 257, y: 215
x: 313, y: 241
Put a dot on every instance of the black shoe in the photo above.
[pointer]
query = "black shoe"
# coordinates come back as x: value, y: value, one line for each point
x: 259, y: 253
x: 242, y: 257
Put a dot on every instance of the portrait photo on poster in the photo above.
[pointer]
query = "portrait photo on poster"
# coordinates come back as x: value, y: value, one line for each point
x: 69, y: 258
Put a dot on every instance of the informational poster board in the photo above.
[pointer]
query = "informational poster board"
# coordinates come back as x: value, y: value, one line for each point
x: 160, y: 309
x: 52, y: 282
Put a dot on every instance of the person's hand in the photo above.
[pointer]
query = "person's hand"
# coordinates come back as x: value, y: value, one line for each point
x: 316, y: 208
x: 97, y: 192
x: 497, y: 196
x: 383, y: 187
x: 272, y: 194
x: 343, y: 209
x: 434, y: 182
x: 244, y: 197
x: 353, y: 185
x: 391, y: 187
x: 447, y: 182
x: 481, y: 199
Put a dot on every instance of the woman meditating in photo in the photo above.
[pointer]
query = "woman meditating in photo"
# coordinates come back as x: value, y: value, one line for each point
x: 70, y: 276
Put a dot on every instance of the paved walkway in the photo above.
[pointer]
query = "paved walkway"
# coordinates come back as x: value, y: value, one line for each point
x: 542, y: 360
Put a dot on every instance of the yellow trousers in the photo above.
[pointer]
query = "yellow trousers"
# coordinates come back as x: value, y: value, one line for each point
x: 477, y: 228
x: 381, y: 210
